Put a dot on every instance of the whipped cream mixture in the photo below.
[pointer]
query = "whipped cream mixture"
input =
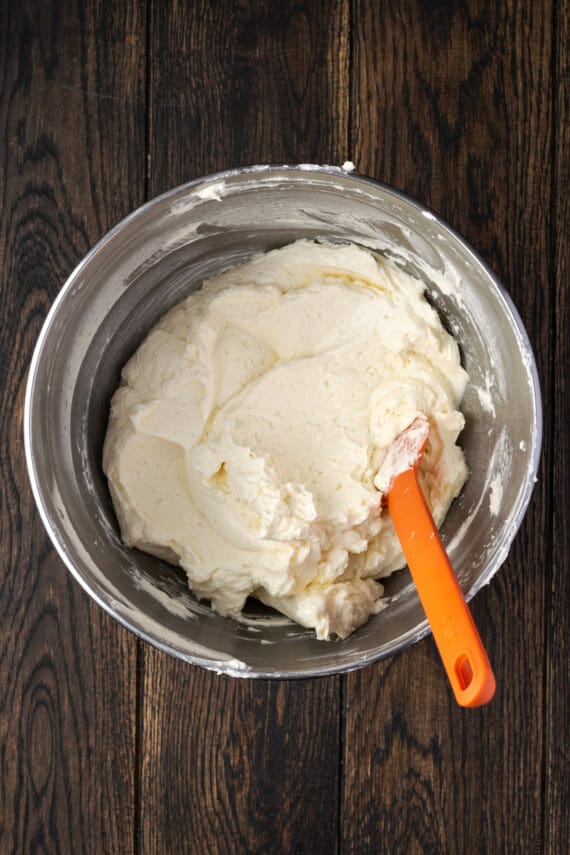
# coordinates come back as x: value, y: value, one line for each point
x: 247, y: 438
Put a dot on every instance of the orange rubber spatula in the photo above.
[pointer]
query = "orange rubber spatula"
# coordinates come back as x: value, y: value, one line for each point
x: 458, y: 641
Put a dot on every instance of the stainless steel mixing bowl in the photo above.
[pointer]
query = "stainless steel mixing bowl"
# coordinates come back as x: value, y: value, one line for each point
x: 152, y: 260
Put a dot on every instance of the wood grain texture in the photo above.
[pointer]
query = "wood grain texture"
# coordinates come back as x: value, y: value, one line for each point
x: 452, y: 103
x: 71, y: 124
x: 238, y: 766
x: 246, y: 82
x: 230, y: 765
x: 557, y: 796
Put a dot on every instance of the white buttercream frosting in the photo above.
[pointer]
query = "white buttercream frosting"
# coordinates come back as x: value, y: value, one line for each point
x: 248, y: 434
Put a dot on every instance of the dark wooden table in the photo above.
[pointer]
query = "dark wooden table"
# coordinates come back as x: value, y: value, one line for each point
x: 106, y: 744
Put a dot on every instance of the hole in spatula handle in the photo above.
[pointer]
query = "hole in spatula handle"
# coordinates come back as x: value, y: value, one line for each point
x: 464, y: 671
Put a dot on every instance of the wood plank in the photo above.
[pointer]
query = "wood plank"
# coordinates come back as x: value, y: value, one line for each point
x: 557, y: 797
x: 246, y: 83
x: 72, y: 163
x: 452, y: 103
x: 240, y: 766
x: 237, y: 766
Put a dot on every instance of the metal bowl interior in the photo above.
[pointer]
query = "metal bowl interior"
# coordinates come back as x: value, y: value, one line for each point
x: 151, y: 261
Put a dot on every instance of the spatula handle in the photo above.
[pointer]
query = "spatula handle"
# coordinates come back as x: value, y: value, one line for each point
x: 458, y: 641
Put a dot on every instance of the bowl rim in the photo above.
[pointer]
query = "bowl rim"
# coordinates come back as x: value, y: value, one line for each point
x: 226, y: 665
